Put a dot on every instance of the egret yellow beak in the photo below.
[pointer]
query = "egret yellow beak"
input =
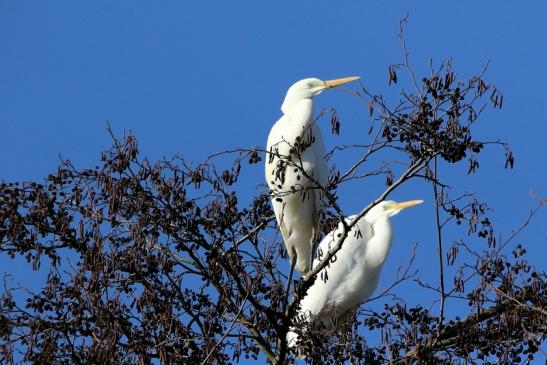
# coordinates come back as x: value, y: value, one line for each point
x: 343, y: 80
x: 407, y: 204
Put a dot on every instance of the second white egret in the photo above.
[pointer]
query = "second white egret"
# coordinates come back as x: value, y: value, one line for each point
x: 353, y: 276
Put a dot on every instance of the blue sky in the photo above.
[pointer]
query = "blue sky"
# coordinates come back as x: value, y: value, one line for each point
x: 199, y: 77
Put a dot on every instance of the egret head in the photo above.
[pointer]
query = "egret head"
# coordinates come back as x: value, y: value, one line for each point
x: 388, y: 208
x: 308, y: 88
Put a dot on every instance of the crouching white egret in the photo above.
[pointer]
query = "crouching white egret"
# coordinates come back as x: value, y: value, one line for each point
x: 295, y: 166
x: 353, y: 276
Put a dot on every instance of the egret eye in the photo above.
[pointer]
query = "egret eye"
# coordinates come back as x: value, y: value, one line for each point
x: 310, y: 85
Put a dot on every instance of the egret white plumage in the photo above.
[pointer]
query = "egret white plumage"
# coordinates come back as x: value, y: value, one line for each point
x: 353, y: 276
x: 296, y: 166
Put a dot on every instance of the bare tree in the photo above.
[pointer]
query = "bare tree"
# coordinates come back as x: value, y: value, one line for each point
x: 160, y: 262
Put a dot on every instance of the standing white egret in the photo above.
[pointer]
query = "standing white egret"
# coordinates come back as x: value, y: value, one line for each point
x: 353, y: 276
x: 295, y: 159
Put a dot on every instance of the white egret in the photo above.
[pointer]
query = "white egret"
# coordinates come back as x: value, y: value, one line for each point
x: 354, y: 274
x: 295, y: 160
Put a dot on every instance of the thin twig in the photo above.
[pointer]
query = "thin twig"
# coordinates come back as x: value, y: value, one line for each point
x: 438, y: 201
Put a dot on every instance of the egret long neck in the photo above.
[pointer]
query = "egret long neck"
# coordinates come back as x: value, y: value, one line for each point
x: 378, y: 247
x: 291, y: 102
